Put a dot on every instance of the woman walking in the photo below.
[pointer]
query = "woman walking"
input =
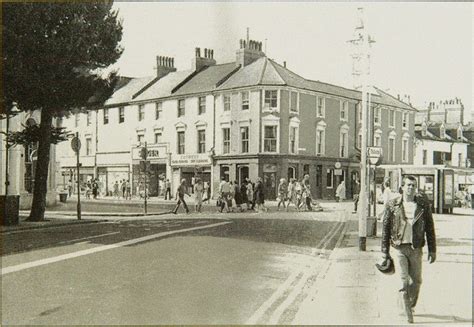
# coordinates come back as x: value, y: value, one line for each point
x: 282, y: 193
x: 198, y: 192
x: 250, y: 195
x: 237, y: 196
x: 243, y: 193
x: 260, y: 195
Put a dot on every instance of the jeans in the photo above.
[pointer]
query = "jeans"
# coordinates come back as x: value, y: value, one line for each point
x: 168, y: 193
x: 408, y: 262
x: 181, y: 199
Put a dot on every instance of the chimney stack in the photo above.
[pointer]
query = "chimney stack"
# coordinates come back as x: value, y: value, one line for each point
x: 164, y: 65
x: 200, y: 62
x: 248, y: 52
x: 284, y: 64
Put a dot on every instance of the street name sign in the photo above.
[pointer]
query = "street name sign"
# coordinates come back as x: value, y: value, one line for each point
x: 374, y: 153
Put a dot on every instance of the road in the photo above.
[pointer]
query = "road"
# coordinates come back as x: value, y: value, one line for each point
x: 185, y: 269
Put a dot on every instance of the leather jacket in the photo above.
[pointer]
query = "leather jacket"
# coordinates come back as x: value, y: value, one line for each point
x: 395, y: 223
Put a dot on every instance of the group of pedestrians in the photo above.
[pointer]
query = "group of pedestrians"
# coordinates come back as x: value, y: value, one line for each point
x: 297, y: 193
x: 248, y: 193
x: 123, y: 189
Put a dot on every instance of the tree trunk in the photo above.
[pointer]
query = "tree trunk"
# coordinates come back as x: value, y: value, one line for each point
x: 42, y: 167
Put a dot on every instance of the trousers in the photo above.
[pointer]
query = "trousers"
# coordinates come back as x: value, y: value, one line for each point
x: 408, y: 261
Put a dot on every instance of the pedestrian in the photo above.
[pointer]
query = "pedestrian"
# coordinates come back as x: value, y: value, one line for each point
x: 230, y: 197
x: 95, y: 188
x: 69, y: 188
x: 250, y: 194
x: 180, y: 192
x: 123, y: 187
x: 237, y: 196
x: 224, y: 192
x: 298, y: 196
x: 116, y: 190
x: 355, y: 194
x: 387, y: 195
x: 243, y: 193
x: 306, y: 187
x: 167, y: 189
x: 88, y: 189
x: 198, y: 192
x: 291, y: 193
x: 282, y: 193
x: 406, y: 221
x: 260, y: 195
x: 128, y: 190
x: 341, y: 191
x: 207, y: 192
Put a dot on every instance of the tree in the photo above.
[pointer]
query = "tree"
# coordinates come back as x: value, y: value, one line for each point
x: 53, y: 58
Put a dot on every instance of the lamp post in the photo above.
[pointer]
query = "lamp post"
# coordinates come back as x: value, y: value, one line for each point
x: 76, y: 146
x: 144, y: 155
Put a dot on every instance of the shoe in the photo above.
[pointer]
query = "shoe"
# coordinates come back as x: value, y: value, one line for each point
x: 174, y: 212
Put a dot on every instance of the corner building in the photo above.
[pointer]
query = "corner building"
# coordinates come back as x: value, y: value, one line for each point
x: 249, y: 118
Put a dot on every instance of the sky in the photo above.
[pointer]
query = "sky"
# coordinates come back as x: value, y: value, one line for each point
x: 424, y: 50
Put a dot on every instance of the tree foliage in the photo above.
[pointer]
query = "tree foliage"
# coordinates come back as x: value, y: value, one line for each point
x: 32, y: 134
x: 53, y: 58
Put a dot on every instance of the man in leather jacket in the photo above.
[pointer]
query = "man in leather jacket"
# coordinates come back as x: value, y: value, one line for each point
x: 407, y: 219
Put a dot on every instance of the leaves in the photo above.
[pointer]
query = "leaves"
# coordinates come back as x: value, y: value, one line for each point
x: 31, y: 135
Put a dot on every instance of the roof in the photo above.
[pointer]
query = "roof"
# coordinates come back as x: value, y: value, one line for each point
x: 130, y: 87
x: 163, y: 87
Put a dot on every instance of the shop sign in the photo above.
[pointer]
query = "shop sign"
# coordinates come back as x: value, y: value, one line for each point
x: 269, y: 168
x: 153, y: 152
x: 338, y: 172
x: 190, y: 160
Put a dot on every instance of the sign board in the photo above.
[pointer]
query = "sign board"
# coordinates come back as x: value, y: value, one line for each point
x: 190, y: 160
x: 153, y: 152
x: 337, y: 165
x: 76, y: 144
x: 374, y: 152
x: 338, y: 172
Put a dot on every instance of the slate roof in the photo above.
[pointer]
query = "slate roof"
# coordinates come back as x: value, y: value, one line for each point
x: 162, y: 88
x: 125, y: 93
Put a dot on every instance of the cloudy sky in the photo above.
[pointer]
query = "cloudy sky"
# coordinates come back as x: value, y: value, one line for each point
x: 424, y: 50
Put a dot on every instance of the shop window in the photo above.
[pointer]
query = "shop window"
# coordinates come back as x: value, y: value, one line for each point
x: 305, y: 170
x: 291, y: 173
x: 224, y: 173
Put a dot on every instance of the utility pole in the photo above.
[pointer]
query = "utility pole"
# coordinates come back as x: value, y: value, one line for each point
x: 76, y: 146
x: 361, y: 69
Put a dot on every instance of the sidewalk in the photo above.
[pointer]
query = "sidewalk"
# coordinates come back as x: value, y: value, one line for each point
x: 47, y: 223
x: 353, y: 291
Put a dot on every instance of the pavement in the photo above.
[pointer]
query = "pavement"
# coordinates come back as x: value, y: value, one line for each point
x: 353, y: 291
x: 350, y: 290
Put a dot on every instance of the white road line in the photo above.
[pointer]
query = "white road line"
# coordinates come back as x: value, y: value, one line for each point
x: 283, y: 287
x: 301, y: 283
x: 76, y: 254
x: 88, y: 238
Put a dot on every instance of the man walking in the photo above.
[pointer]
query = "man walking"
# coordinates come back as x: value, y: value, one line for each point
x: 407, y: 219
x: 182, y: 190
x: 355, y: 194
x: 167, y: 189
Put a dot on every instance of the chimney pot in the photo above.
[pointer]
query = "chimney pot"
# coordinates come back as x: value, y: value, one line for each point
x: 284, y: 64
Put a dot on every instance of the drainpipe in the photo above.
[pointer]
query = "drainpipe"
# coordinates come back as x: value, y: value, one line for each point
x: 7, y: 147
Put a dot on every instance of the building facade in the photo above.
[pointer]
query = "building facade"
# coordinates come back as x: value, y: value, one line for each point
x: 248, y: 118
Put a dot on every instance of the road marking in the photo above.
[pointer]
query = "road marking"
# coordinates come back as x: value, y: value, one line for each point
x: 283, y: 287
x: 301, y: 283
x: 76, y: 254
x: 88, y: 238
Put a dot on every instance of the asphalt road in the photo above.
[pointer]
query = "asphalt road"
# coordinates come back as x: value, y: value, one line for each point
x: 237, y: 269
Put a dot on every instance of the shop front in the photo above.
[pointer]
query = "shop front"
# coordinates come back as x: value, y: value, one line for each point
x: 190, y: 167
x: 155, y: 170
x: 112, y: 167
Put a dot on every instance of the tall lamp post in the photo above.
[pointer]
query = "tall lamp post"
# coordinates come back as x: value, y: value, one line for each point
x: 76, y: 146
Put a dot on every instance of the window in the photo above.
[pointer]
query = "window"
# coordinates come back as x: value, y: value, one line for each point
x: 425, y: 157
x: 329, y: 178
x: 158, y: 137
x: 343, y: 150
x: 378, y: 138
x: 202, y: 141
x: 270, y: 139
x: 359, y: 110
x: 141, y: 112
x: 227, y: 103
x: 88, y: 146
x: 245, y: 100
x: 181, y: 108
x: 202, y: 105
x: 140, y: 138
x: 344, y: 105
x: 321, y: 104
x: 226, y: 140
x: 158, y: 109
x: 294, y: 101
x: 377, y: 116
x: 76, y: 120
x: 359, y: 140
x: 89, y: 116
x: 320, y: 138
x: 181, y: 141
x: 405, y: 120
x: 391, y: 121
x: 404, y: 150
x: 244, y: 136
x: 391, y: 149
x: 106, y: 116
x: 271, y: 98
x: 121, y: 115
x: 293, y: 133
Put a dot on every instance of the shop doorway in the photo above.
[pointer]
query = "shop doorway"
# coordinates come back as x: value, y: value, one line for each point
x: 291, y: 173
x: 224, y: 173
x: 242, y: 173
